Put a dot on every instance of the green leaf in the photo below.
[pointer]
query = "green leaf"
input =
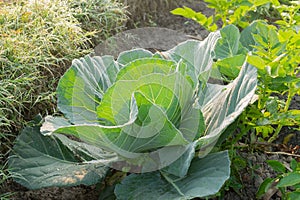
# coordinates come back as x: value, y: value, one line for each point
x: 199, y: 17
x: 277, y: 166
x: 222, y: 104
x: 228, y: 45
x: 264, y: 187
x: 247, y: 38
x: 259, y: 2
x: 257, y: 62
x: 148, y: 71
x: 128, y: 56
x: 293, y: 195
x: 202, y: 19
x: 290, y: 179
x: 185, y: 12
x: 205, y: 177
x: 294, y: 164
x: 181, y: 165
x: 231, y: 66
x: 272, y: 105
x: 198, y: 55
x: 82, y: 87
x: 275, y: 2
x: 288, y: 118
x: 52, y: 123
x: 38, y: 161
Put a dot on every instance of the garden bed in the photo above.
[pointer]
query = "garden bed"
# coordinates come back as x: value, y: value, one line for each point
x: 253, y: 169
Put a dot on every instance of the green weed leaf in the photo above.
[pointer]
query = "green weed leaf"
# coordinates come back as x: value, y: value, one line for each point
x: 290, y: 179
x: 264, y: 187
x: 277, y: 166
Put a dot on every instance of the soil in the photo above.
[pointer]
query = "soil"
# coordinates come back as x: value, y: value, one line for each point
x: 250, y: 176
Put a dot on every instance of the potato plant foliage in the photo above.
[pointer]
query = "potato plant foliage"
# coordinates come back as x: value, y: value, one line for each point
x: 156, y: 116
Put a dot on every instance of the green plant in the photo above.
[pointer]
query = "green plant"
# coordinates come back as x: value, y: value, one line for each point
x: 276, y: 57
x: 287, y: 181
x: 274, y: 51
x: 154, y: 115
x: 275, y: 54
x: 290, y: 17
x: 278, y: 64
x: 238, y: 12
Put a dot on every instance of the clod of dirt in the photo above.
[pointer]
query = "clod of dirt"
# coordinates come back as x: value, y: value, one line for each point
x: 147, y: 38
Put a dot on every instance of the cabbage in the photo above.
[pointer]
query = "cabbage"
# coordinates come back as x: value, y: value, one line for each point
x: 156, y: 116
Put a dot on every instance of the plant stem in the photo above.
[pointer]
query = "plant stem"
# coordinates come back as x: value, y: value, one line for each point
x: 262, y: 100
x: 286, y: 108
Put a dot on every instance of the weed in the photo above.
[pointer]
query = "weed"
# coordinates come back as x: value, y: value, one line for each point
x: 287, y: 181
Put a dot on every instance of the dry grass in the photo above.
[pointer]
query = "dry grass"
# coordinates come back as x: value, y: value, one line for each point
x: 38, y: 40
x: 147, y: 10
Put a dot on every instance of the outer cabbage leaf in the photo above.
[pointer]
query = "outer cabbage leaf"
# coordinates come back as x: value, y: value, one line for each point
x: 205, y: 177
x: 198, y: 55
x: 222, y: 104
x: 230, y: 52
x: 128, y: 56
x: 39, y: 161
x: 228, y: 45
x: 82, y: 87
x: 181, y: 166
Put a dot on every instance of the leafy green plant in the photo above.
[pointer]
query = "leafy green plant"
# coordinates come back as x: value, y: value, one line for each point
x: 237, y: 12
x: 275, y: 51
x: 287, y: 180
x: 154, y: 115
x: 290, y: 17
x: 278, y: 67
x: 276, y: 57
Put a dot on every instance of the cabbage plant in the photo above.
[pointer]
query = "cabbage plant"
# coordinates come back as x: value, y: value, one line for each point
x: 154, y: 115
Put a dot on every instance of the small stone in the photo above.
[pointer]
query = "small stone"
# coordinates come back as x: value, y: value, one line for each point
x: 268, y: 175
x: 261, y: 158
x: 252, y: 158
x: 289, y: 159
x: 297, y: 98
x: 244, y: 155
x: 274, y: 157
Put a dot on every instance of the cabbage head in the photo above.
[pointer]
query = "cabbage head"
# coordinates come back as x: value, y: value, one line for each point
x: 155, y: 115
